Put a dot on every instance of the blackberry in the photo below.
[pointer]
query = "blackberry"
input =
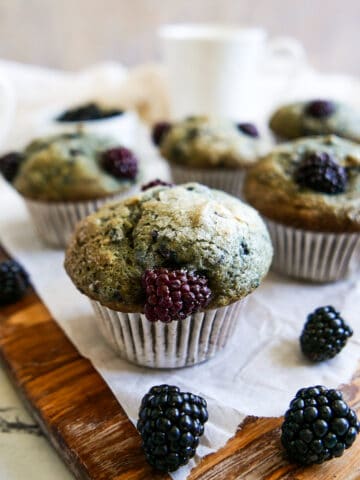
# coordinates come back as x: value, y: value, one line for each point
x: 318, y: 426
x: 249, y: 129
x: 174, y: 294
x: 14, y: 282
x: 155, y: 183
x: 159, y: 131
x: 9, y: 165
x: 170, y: 424
x: 320, y: 108
x: 89, y: 111
x: 120, y: 162
x: 318, y: 171
x: 324, y: 335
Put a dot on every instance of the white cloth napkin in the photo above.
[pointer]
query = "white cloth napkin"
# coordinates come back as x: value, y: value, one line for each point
x: 257, y: 374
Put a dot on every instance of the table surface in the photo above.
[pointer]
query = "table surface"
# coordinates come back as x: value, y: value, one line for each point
x: 24, y: 451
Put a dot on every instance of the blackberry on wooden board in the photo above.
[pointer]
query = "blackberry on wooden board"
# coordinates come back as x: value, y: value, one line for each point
x: 318, y: 426
x: 14, y: 281
x: 171, y: 423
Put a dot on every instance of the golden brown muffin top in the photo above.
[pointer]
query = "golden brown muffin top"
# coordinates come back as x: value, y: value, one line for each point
x: 318, y: 117
x: 271, y: 187
x: 187, y: 226
x: 67, y: 167
x: 206, y: 142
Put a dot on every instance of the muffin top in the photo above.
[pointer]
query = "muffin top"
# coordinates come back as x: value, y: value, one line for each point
x: 187, y: 227
x: 312, y: 183
x: 205, y: 142
x: 71, y: 167
x: 317, y: 117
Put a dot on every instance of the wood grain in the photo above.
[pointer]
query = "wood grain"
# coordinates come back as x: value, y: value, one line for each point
x: 91, y: 432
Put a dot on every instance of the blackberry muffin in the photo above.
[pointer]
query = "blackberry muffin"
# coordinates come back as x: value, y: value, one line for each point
x: 166, y: 271
x: 309, y: 192
x: 316, y: 117
x: 211, y: 151
x: 65, y: 177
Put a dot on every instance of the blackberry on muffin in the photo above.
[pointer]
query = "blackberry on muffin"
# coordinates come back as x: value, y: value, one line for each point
x: 155, y: 183
x: 88, y: 111
x: 319, y: 172
x: 174, y: 294
x: 318, y: 426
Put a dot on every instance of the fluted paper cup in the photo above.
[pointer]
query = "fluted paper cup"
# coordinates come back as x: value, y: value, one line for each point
x: 230, y: 180
x: 314, y: 256
x: 168, y: 345
x: 55, y: 221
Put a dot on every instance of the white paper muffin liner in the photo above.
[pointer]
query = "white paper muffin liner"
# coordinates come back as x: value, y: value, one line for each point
x: 229, y: 180
x: 177, y: 344
x: 55, y: 221
x: 314, y: 256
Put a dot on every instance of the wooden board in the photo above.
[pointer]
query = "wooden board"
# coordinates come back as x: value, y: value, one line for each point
x: 89, y: 429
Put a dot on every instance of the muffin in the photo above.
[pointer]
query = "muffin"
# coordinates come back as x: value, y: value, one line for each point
x: 167, y: 270
x: 211, y: 151
x: 65, y: 177
x: 309, y: 192
x: 317, y: 117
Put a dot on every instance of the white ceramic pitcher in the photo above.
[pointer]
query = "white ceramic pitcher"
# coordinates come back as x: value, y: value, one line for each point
x: 213, y: 69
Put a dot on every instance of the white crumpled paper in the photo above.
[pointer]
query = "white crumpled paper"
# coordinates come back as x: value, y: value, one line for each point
x: 257, y: 374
